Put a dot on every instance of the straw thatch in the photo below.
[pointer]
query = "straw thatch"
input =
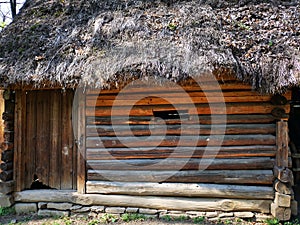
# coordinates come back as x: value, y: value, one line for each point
x: 90, y: 42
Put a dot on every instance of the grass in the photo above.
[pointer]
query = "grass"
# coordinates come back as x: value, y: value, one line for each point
x: 127, y: 217
x: 5, y: 211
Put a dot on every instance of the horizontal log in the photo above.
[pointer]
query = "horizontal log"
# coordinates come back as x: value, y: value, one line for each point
x: 257, y: 177
x: 194, y: 120
x: 6, y: 166
x: 124, y: 100
x: 184, y: 129
x: 189, y: 141
x: 7, y: 156
x: 180, y: 189
x: 155, y: 202
x: 6, y: 175
x: 5, y: 146
x: 183, y: 164
x: 200, y: 109
x: 182, y: 152
x: 209, y: 86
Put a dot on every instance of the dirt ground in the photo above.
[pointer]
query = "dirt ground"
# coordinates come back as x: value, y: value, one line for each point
x: 33, y: 219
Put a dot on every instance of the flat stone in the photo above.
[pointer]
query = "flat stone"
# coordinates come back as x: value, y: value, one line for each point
x: 25, y: 208
x: 211, y: 214
x: 131, y: 210
x: 244, y: 214
x: 82, y: 210
x: 6, y: 187
x: 48, y: 212
x: 222, y: 215
x: 263, y: 217
x: 97, y: 209
x: 6, y: 200
x: 59, y: 206
x: 294, y: 207
x: 115, y: 210
x: 75, y: 207
x: 195, y: 213
x: 282, y: 200
x: 148, y: 211
x: 42, y: 205
x: 176, y: 212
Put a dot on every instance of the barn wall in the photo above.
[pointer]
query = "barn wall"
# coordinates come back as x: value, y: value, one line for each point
x: 119, y: 163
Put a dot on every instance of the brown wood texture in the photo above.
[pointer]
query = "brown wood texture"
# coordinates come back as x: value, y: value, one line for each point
x: 282, y: 142
x: 174, y: 141
x: 179, y: 129
x: 203, y: 109
x: 254, y: 163
x: 181, y: 152
x: 263, y: 177
x: 81, y: 134
x: 47, y: 144
x: 19, y: 128
x: 181, y: 189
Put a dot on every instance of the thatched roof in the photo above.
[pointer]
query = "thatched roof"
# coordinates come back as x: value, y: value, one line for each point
x: 99, y: 42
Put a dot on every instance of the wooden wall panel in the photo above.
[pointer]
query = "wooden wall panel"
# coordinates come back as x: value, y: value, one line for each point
x: 121, y: 141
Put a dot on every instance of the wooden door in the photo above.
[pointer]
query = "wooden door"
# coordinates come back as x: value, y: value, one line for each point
x: 48, y: 148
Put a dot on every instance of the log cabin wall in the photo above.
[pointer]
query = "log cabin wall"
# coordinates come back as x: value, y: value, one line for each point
x: 7, y: 132
x: 44, y: 145
x: 242, y: 168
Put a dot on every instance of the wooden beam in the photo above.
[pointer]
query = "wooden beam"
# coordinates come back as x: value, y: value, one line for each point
x: 180, y: 189
x: 175, y: 141
x: 81, y: 145
x: 282, y: 142
x: 19, y: 142
x: 252, y: 163
x: 182, y: 152
x: 206, y: 176
x: 171, y: 203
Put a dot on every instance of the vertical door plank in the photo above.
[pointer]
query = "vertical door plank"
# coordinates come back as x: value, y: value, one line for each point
x: 30, y: 138
x: 43, y: 131
x: 55, y: 139
x: 66, y: 149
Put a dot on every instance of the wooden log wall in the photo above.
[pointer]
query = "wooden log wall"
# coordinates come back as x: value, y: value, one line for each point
x: 120, y: 159
x: 7, y: 144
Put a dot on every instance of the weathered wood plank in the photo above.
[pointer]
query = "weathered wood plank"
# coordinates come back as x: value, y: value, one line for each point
x: 207, y: 176
x: 55, y: 139
x: 182, y: 152
x: 42, y: 139
x: 183, y: 164
x: 155, y: 141
x: 180, y: 189
x: 184, y: 129
x: 67, y: 144
x: 171, y: 203
x: 19, y: 128
x: 194, y: 120
x: 30, y: 149
x: 200, y: 109
x: 81, y: 126
x: 282, y: 143
x: 124, y: 100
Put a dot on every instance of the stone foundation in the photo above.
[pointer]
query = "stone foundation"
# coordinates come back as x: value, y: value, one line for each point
x: 69, y: 209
